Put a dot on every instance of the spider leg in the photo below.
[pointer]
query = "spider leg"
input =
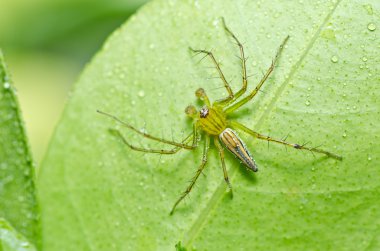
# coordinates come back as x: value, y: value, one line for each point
x: 148, y: 150
x: 237, y: 125
x: 221, y: 154
x: 262, y: 81
x: 197, y: 174
x: 221, y: 75
x: 169, y: 142
x: 243, y: 64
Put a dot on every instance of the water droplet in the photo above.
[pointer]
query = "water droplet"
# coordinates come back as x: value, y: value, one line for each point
x: 371, y: 26
x: 215, y: 22
x: 307, y: 102
x: 141, y: 93
x: 369, y: 158
x: 334, y: 59
x: 344, y: 135
x: 6, y: 85
x: 364, y: 59
x: 196, y: 4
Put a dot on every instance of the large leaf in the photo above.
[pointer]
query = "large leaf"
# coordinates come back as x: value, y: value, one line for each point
x: 17, y: 190
x: 97, y: 194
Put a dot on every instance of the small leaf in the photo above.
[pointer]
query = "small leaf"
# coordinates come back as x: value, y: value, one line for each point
x: 11, y: 240
x: 17, y: 190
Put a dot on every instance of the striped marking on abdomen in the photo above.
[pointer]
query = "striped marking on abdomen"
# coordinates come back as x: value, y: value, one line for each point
x: 236, y: 146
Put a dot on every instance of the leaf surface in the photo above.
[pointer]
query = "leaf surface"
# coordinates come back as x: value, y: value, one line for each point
x: 325, y: 90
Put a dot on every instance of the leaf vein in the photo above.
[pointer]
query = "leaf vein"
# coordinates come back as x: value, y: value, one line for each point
x: 196, y: 228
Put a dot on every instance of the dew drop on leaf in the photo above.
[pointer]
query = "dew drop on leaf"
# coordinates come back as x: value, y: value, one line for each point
x: 334, y: 59
x: 141, y: 93
x: 371, y: 26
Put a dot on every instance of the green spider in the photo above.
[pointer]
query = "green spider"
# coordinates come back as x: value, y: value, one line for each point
x: 213, y: 120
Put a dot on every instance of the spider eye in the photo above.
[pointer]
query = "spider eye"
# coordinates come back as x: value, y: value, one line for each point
x: 190, y: 111
x: 203, y: 112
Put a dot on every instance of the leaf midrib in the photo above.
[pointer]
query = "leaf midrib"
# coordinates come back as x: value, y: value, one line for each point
x: 196, y: 227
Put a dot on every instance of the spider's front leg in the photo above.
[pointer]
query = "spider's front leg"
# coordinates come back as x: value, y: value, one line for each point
x: 148, y: 150
x: 243, y: 66
x: 243, y: 101
x: 221, y: 75
x: 183, y: 144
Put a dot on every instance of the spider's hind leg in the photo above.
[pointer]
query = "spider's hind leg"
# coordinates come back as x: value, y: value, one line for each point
x: 221, y: 154
x: 197, y: 174
x: 283, y: 142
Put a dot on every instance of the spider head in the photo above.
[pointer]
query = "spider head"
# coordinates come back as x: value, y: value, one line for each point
x: 203, y: 113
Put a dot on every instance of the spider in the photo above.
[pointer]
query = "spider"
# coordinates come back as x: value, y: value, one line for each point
x: 213, y: 121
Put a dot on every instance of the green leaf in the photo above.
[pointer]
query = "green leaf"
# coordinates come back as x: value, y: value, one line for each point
x: 11, y: 240
x: 98, y: 193
x: 18, y: 203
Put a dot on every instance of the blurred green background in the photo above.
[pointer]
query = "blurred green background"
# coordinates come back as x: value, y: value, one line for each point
x: 46, y: 45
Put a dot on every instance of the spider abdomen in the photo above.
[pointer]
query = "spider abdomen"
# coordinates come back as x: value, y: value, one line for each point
x: 236, y: 146
x: 212, y: 121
